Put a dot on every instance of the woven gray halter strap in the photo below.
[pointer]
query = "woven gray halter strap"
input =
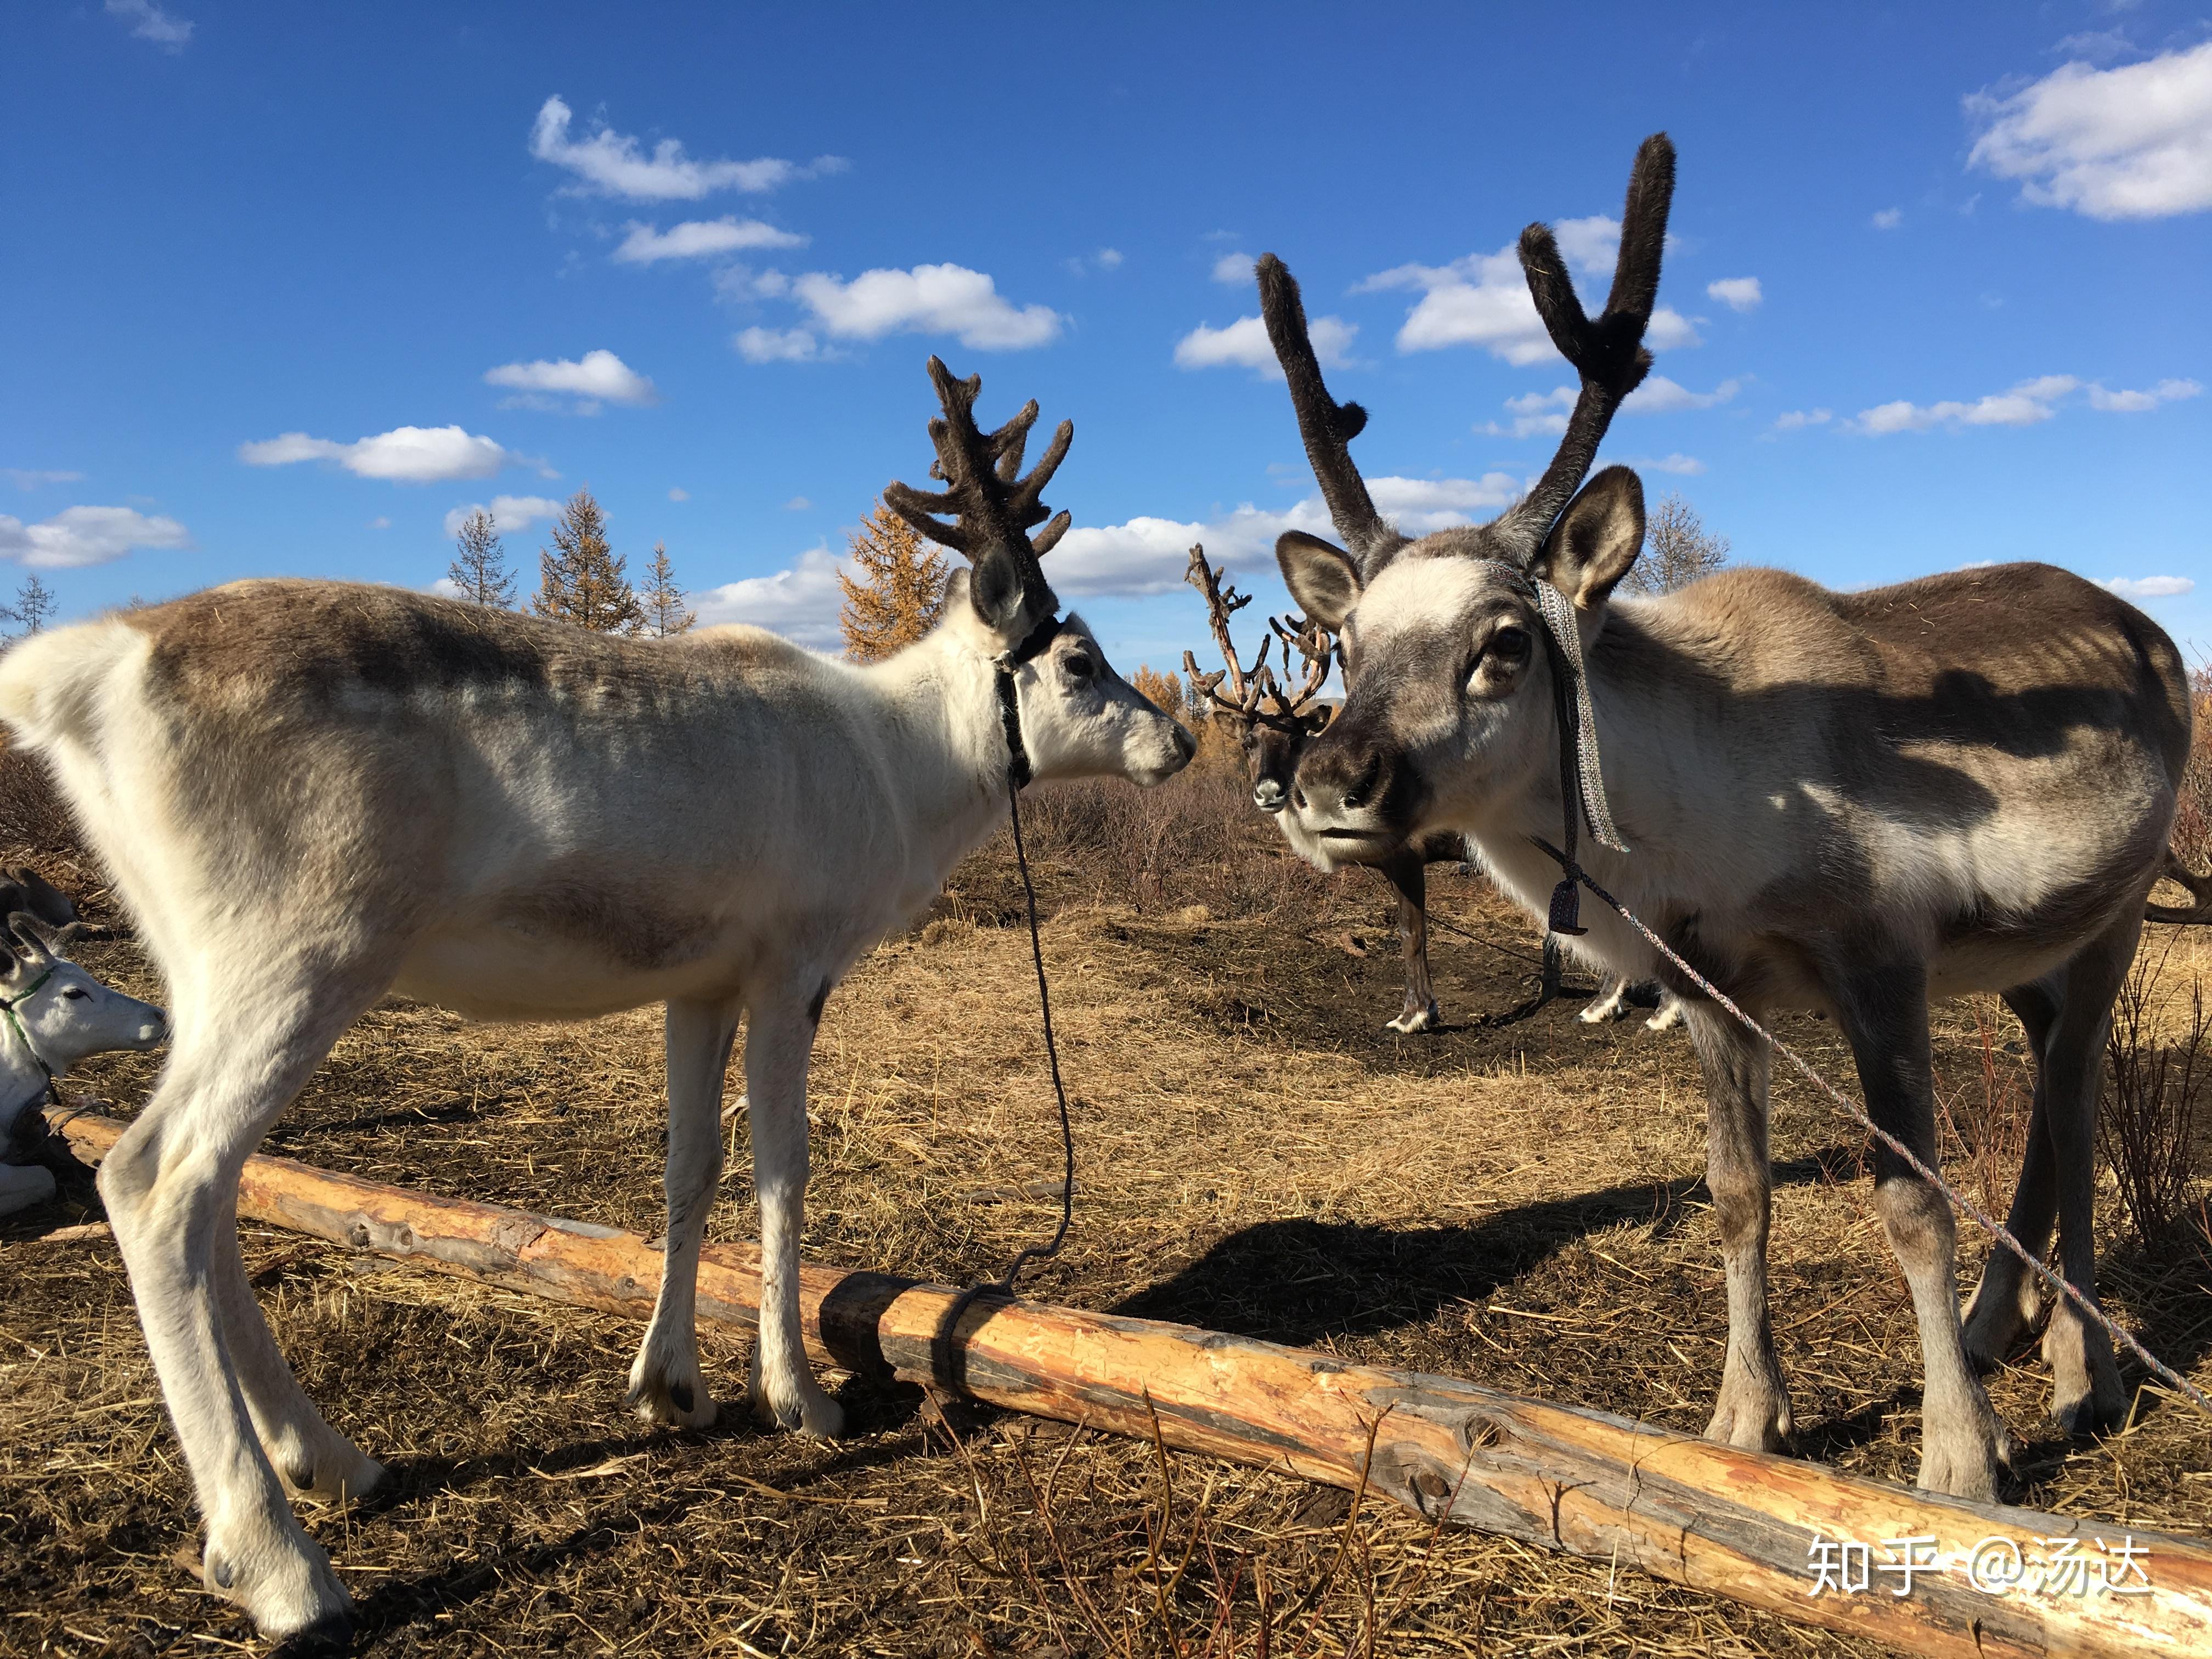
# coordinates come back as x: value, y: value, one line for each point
x: 1582, y: 785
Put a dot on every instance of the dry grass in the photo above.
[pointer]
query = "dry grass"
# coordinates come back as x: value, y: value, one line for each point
x: 1504, y: 1203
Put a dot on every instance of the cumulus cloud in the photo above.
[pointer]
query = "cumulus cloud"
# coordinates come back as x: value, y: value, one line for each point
x: 1687, y: 466
x: 2028, y: 404
x: 1483, y: 299
x: 79, y: 536
x: 150, y: 22
x: 379, y: 522
x: 944, y: 299
x: 32, y: 477
x: 699, y: 238
x: 610, y: 163
x: 1243, y: 344
x: 678, y: 493
x: 800, y: 603
x: 1535, y: 412
x: 2150, y: 587
x: 1147, y: 554
x: 1887, y: 219
x: 2133, y: 143
x: 1660, y: 396
x: 1235, y: 269
x: 798, y: 504
x: 406, y: 454
x: 510, y: 514
x: 1737, y: 293
x: 596, y: 376
x: 1798, y: 419
x: 776, y: 345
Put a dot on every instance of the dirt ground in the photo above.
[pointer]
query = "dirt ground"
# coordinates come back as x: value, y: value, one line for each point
x: 1516, y: 1203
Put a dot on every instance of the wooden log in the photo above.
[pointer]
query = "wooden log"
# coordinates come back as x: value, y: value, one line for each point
x: 1756, y: 1528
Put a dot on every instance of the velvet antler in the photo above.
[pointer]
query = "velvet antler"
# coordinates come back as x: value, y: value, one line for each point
x: 1222, y: 601
x: 1607, y: 352
x: 993, y: 503
x: 1326, y: 426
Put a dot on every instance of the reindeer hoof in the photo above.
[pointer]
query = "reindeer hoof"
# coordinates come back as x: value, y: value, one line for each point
x: 1416, y: 1020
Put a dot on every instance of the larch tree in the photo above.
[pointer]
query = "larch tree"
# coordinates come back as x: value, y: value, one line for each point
x: 1165, y: 690
x: 666, y: 612
x: 34, y: 607
x: 479, y: 567
x: 1678, y: 550
x: 581, y: 579
x: 898, y: 592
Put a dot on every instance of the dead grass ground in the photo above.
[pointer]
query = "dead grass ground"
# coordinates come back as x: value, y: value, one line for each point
x: 1519, y: 1205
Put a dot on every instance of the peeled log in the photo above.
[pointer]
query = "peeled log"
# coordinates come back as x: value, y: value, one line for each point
x: 1736, y: 1523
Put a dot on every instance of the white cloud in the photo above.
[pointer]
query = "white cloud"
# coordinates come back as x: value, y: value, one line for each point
x: 1109, y: 258
x: 798, y: 504
x: 677, y: 493
x: 1235, y: 269
x: 1483, y: 299
x: 406, y: 454
x: 1243, y: 344
x: 1148, y: 555
x: 800, y: 603
x: 700, y: 238
x: 379, y: 522
x: 596, y: 375
x: 1887, y: 219
x: 1670, y: 330
x: 2133, y: 143
x: 610, y: 163
x: 1535, y: 412
x: 2150, y: 587
x: 775, y: 345
x: 2028, y: 404
x: 927, y: 299
x: 1687, y: 466
x: 510, y: 514
x: 1737, y: 293
x: 32, y: 477
x: 1660, y: 396
x: 79, y: 536
x: 150, y: 22
x: 1590, y: 245
x: 1798, y: 419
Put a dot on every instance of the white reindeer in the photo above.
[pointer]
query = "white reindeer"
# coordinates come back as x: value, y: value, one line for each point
x: 312, y: 793
x: 52, y: 1014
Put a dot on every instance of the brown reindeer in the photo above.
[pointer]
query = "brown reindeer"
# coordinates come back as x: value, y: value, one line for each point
x: 1270, y: 727
x: 1851, y: 802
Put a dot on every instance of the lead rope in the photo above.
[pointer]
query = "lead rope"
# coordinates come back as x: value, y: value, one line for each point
x: 1851, y: 1109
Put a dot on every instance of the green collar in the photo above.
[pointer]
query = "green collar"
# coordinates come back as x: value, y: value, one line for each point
x: 8, y: 1006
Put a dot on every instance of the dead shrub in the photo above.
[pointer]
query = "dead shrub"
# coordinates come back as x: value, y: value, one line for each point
x: 1983, y: 1118
x: 2151, y: 1115
x: 35, y: 820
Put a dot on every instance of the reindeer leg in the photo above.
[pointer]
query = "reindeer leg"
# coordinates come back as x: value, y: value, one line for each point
x: 1883, y: 1005
x: 1610, y: 1004
x: 1410, y: 875
x: 1753, y: 1411
x: 2085, y: 1383
x: 777, y: 1047
x: 665, y: 1385
x: 2008, y: 1299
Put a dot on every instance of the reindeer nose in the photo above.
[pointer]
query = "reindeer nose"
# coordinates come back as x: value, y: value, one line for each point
x: 1363, y: 786
x: 155, y: 1029
x: 1186, y: 746
x: 1267, y: 795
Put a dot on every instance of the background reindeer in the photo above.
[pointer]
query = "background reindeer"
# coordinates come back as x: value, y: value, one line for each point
x: 1849, y: 802
x: 311, y: 793
x: 52, y: 1014
x: 1270, y: 727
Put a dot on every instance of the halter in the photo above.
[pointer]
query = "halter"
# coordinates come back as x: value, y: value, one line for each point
x: 1008, y: 663
x: 7, y: 1005
x: 1582, y: 785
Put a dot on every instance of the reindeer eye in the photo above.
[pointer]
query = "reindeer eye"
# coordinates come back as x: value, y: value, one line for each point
x: 75, y: 994
x: 1509, y: 644
x: 1079, y: 665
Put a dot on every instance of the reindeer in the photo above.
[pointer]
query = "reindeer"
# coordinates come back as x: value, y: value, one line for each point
x: 1272, y: 727
x: 312, y: 793
x: 1851, y: 802
x: 52, y: 1014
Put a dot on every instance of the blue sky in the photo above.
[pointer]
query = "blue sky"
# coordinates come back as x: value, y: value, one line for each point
x: 283, y: 287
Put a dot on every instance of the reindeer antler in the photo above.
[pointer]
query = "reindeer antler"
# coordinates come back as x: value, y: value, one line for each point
x: 1317, y: 646
x: 1607, y: 352
x: 992, y: 502
x: 1222, y: 601
x: 1326, y: 426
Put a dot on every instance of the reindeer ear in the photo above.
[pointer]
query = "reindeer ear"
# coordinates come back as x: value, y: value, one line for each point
x: 995, y: 591
x: 1322, y: 578
x: 42, y: 898
x: 28, y: 937
x: 1596, y: 539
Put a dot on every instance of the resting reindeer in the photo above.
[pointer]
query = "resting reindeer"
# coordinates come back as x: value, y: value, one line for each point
x: 1846, y: 802
x: 312, y: 793
x: 52, y: 1014
x: 1272, y: 728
